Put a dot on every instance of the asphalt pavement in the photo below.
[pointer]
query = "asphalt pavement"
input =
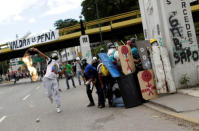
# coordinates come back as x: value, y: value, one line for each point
x: 25, y: 107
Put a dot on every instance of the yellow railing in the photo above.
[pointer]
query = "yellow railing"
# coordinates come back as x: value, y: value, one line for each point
x: 108, y: 20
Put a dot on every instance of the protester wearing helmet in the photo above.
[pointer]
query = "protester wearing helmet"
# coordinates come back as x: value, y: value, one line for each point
x: 91, y: 73
x: 95, y: 62
x: 78, y: 70
x: 134, y: 49
x: 154, y: 42
x: 89, y: 89
x: 112, y: 53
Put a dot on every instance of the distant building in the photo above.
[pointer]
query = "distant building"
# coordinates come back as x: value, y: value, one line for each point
x: 70, y: 54
x: 14, y: 64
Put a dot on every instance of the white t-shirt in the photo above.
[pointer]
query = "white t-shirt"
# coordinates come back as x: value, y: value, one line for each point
x: 52, y: 69
x: 78, y: 67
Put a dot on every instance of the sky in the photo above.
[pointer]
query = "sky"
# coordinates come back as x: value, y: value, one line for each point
x: 18, y: 17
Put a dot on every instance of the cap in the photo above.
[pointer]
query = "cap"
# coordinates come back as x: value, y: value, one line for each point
x: 54, y: 54
x: 110, y: 45
x: 77, y: 58
x: 152, y: 41
x: 102, y: 50
x: 84, y: 59
x: 128, y: 42
x: 94, y: 58
x: 133, y: 40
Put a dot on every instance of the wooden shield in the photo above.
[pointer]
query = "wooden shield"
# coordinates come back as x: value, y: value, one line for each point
x: 142, y: 46
x: 126, y: 59
x: 147, y: 84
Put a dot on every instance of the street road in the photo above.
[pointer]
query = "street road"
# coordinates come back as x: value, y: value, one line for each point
x: 22, y: 104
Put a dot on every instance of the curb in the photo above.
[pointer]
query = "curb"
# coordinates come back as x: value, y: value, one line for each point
x: 163, y: 106
x: 172, y: 114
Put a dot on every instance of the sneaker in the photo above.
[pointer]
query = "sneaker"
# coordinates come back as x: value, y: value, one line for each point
x: 51, y: 99
x: 74, y: 86
x: 58, y: 110
x: 101, y: 106
x: 91, y: 104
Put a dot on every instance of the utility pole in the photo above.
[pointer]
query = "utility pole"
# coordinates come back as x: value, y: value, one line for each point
x: 82, y: 26
x: 99, y: 23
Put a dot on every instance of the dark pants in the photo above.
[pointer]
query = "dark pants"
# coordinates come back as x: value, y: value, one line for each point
x: 100, y: 94
x: 109, y: 81
x: 67, y: 83
x: 89, y: 93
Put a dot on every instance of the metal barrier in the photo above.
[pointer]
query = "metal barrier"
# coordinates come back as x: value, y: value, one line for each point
x: 107, y: 20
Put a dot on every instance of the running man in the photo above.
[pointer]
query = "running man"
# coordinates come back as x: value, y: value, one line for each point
x: 50, y: 79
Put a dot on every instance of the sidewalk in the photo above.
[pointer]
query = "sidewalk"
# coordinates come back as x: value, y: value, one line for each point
x: 183, y: 105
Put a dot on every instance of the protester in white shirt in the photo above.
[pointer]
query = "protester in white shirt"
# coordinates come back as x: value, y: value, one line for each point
x: 50, y: 78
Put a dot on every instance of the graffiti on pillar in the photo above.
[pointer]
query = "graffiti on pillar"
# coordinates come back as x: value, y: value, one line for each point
x: 184, y: 50
x: 149, y: 7
x: 175, y: 29
x: 185, y: 55
x: 168, y: 2
x: 160, y: 41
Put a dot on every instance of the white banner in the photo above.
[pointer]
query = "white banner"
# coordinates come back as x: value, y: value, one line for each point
x: 25, y: 43
x: 85, y: 48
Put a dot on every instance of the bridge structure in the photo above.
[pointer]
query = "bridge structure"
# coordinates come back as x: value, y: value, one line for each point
x: 113, y: 27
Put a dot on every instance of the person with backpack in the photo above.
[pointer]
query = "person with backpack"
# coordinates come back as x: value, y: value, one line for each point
x: 89, y: 86
x: 50, y: 79
x: 92, y: 74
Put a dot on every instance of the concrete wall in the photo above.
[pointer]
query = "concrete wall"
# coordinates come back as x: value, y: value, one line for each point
x: 177, y: 33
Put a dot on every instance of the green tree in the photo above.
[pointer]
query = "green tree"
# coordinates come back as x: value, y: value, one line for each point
x: 107, y: 7
x: 65, y: 23
x: 196, y: 26
x: 4, y: 65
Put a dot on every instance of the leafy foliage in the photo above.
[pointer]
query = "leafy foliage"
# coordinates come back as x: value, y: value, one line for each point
x: 107, y: 7
x: 185, y: 80
x: 96, y: 50
x: 65, y: 23
x: 197, y: 26
x: 4, y: 65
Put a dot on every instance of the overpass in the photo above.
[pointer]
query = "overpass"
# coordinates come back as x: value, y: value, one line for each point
x: 113, y: 27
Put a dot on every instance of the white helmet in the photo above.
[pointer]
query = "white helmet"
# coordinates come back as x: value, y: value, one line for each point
x: 94, y: 58
x: 77, y: 58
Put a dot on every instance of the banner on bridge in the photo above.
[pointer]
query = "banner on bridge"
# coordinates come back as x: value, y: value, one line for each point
x: 39, y: 39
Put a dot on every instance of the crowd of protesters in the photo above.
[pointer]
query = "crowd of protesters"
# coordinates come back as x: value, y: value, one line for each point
x: 94, y: 76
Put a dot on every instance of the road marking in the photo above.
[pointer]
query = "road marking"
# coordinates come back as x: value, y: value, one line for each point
x: 26, y: 97
x: 2, y: 118
x: 38, y: 87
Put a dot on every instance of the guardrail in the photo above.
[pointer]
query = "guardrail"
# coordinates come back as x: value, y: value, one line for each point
x: 104, y: 22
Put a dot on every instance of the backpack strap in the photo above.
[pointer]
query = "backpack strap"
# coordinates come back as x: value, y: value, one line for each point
x: 99, y: 66
x: 50, y: 61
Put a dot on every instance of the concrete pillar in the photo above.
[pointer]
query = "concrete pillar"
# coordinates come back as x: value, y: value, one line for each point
x: 171, y: 23
x: 85, y: 48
